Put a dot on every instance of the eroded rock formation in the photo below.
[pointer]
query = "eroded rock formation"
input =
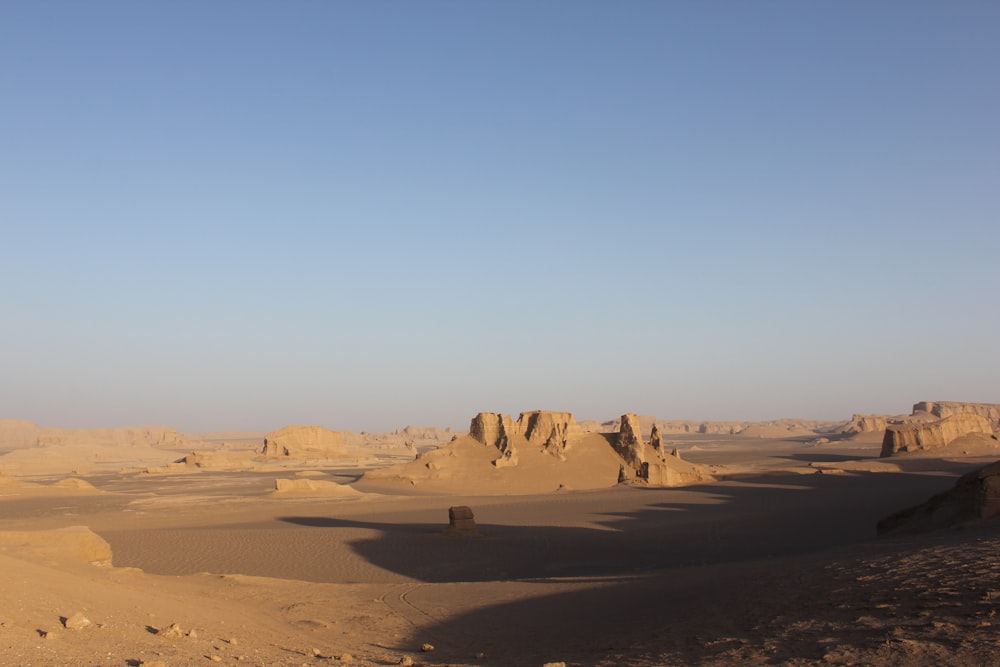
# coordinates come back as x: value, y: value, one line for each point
x: 655, y: 439
x: 551, y: 431
x: 975, y: 496
x: 629, y: 444
x: 942, y: 409
x: 303, y: 441
x: 917, y: 436
x: 492, y: 429
x: 867, y: 424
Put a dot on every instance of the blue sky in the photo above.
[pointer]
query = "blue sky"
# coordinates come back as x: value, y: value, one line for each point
x: 221, y: 215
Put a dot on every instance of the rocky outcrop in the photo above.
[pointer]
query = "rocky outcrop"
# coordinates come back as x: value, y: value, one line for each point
x: 492, y: 429
x: 975, y: 497
x: 672, y: 471
x: 942, y: 409
x: 461, y: 521
x: 551, y: 431
x: 655, y: 439
x: 303, y: 442
x: 866, y: 424
x: 650, y: 465
x: 913, y: 437
x: 629, y: 443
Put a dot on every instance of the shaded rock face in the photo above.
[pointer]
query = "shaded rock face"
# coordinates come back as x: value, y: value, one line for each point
x: 629, y: 443
x: 921, y: 436
x: 975, y: 497
x: 461, y: 521
x: 550, y: 430
x: 303, y: 441
x: 942, y: 409
x: 655, y: 439
x: 492, y: 429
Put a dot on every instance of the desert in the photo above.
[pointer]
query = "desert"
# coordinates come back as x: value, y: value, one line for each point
x: 535, y: 541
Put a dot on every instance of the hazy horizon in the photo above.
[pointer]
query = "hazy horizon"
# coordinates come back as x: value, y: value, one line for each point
x: 241, y: 215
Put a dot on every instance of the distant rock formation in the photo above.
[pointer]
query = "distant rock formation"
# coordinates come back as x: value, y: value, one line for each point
x: 975, y: 497
x: 942, y: 409
x: 302, y: 442
x: 866, y: 424
x: 16, y: 434
x: 917, y: 436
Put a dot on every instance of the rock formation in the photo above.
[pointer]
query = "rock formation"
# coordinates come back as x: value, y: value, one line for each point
x: 917, y: 436
x: 303, y: 441
x: 461, y: 521
x: 975, y: 496
x: 655, y: 439
x: 942, y: 409
x: 492, y: 429
x: 649, y: 465
x: 629, y: 443
x: 672, y: 471
x: 15, y: 434
x: 866, y: 424
x: 551, y: 431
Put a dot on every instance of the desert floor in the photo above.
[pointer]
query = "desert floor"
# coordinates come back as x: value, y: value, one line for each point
x: 777, y: 564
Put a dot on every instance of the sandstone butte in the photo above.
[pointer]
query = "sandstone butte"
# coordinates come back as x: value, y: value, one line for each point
x: 942, y: 409
x: 299, y: 441
x: 918, y: 436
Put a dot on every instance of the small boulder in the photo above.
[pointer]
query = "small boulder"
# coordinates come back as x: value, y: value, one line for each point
x: 76, y: 622
x: 461, y: 521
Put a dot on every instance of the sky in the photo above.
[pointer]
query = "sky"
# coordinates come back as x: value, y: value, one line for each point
x: 363, y: 215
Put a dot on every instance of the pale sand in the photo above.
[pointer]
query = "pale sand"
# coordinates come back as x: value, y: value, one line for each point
x: 776, y: 564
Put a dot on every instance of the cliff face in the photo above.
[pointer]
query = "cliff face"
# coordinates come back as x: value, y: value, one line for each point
x: 942, y: 409
x: 547, y: 429
x: 917, y: 436
x: 303, y: 441
x: 492, y: 429
x: 542, y: 428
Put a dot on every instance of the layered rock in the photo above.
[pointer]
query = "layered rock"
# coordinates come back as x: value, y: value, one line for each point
x: 917, y: 436
x: 303, y: 441
x: 942, y: 409
x: 975, y: 496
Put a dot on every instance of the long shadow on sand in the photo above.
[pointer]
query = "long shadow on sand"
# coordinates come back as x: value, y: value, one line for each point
x: 766, y: 517
x: 669, y: 562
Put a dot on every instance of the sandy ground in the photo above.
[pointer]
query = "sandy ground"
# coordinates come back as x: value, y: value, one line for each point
x: 777, y: 563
